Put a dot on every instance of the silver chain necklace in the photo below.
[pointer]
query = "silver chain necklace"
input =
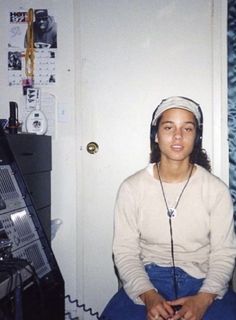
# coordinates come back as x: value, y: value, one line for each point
x: 171, y: 212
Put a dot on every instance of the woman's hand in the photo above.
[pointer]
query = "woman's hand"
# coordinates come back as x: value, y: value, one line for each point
x: 193, y: 307
x: 157, y: 306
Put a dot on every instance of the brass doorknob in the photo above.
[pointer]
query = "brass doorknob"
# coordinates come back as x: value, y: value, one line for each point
x: 92, y: 147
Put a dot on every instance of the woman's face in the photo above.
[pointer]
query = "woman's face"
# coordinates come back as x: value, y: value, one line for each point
x: 176, y: 134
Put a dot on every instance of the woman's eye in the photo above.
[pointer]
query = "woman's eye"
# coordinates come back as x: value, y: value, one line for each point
x: 167, y: 128
x: 188, y: 129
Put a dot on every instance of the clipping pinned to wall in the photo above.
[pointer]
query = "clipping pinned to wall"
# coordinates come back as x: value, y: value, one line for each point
x: 32, y: 48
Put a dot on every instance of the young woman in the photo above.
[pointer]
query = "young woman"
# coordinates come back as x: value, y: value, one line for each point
x: 174, y: 242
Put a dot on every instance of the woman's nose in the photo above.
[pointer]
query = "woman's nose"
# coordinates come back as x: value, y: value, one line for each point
x: 178, y: 134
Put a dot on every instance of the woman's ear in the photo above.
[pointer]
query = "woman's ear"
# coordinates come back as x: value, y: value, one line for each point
x: 156, y: 138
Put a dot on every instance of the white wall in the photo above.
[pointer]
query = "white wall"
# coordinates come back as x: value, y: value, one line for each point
x: 121, y: 57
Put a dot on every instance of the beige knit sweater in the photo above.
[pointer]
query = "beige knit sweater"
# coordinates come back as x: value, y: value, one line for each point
x: 203, y: 230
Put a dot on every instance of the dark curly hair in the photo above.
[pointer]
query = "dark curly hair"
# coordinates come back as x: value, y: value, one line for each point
x: 198, y: 155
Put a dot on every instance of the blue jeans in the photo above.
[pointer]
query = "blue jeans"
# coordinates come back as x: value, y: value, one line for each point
x: 121, y: 307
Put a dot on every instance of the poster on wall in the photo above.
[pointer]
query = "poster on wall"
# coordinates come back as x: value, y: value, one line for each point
x: 39, y: 33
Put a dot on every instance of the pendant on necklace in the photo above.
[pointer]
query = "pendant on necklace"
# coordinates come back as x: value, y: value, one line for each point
x: 171, y: 212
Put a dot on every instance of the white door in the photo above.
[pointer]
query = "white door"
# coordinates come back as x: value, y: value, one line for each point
x: 131, y: 54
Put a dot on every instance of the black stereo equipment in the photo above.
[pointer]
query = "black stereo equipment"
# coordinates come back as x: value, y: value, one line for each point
x: 26, y: 258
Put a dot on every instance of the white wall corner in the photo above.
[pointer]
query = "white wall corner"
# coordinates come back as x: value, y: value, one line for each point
x: 220, y: 158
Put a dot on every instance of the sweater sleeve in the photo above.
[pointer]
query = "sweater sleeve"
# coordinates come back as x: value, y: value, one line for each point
x: 223, y: 246
x: 126, y: 247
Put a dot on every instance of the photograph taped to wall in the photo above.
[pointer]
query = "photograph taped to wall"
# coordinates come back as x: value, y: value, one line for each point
x: 14, y: 60
x: 45, y: 46
x: 44, y: 30
x: 16, y: 50
x: 15, y: 67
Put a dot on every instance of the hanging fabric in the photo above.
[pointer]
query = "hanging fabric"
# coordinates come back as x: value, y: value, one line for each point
x: 232, y: 97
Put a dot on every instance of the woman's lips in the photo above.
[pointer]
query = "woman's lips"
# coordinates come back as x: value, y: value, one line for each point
x: 177, y: 147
